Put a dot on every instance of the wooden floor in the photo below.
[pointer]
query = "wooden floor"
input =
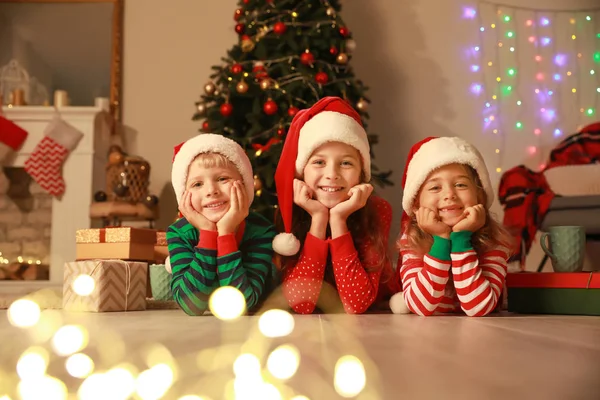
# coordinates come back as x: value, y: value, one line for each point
x: 405, y: 357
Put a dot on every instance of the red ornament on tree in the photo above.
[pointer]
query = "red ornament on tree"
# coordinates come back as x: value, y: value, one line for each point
x: 279, y: 28
x: 307, y: 58
x: 344, y: 31
x: 260, y: 72
x: 270, y: 107
x: 281, y: 131
x: 226, y: 109
x: 239, y: 28
x: 321, y: 77
x: 238, y: 14
x: 333, y: 50
x: 236, y: 68
x: 292, y: 111
x: 246, y: 1
x: 206, y: 126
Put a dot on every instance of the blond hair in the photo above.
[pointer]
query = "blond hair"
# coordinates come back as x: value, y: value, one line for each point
x: 490, y: 236
x: 212, y: 160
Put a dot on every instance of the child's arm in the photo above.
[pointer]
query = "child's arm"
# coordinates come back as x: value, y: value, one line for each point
x: 424, y: 278
x: 302, y: 282
x: 193, y: 267
x: 478, y: 281
x: 357, y: 287
x: 249, y: 267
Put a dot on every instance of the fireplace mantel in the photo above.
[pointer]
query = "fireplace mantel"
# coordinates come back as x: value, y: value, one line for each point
x: 83, y: 173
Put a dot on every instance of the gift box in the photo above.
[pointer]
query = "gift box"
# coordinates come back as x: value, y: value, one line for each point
x: 160, y: 282
x: 161, y: 252
x: 124, y: 243
x: 118, y: 285
x: 576, y: 293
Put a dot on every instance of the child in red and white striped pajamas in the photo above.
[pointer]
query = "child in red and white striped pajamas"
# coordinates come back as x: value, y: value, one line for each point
x: 453, y: 254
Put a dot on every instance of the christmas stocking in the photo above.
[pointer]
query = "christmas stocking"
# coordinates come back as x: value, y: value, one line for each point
x: 11, y: 137
x: 45, y: 163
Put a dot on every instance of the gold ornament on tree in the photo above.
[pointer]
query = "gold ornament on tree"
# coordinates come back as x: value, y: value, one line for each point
x: 241, y: 87
x: 258, y: 185
x: 265, y: 84
x: 247, y: 45
x: 342, y: 58
x: 362, y: 105
x: 350, y: 45
x: 209, y: 88
x: 201, y: 108
x: 330, y: 11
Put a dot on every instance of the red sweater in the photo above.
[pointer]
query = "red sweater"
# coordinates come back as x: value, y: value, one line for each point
x: 357, y: 288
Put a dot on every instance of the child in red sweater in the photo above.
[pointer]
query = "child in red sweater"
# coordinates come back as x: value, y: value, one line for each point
x: 335, y: 231
x: 453, y: 254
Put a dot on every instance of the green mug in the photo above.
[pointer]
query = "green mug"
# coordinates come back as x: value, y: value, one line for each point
x: 567, y: 247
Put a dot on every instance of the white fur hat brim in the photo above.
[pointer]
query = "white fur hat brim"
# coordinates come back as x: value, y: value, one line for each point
x: 213, y: 143
x: 332, y: 126
x: 435, y: 154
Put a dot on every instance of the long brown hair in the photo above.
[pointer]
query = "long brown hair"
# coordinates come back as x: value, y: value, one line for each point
x: 490, y: 236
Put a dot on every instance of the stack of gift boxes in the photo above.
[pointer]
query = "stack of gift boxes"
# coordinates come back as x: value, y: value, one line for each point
x: 126, y: 266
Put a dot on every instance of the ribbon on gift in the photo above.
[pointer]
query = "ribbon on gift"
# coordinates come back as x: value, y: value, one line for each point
x: 116, y: 235
x: 99, y: 262
x: 161, y: 238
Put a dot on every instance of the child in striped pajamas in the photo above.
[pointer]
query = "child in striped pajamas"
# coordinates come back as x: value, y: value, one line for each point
x: 453, y: 254
x: 217, y: 242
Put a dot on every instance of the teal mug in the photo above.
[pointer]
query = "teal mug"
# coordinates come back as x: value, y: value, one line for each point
x: 567, y: 247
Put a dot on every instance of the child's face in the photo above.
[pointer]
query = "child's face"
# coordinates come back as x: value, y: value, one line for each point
x: 210, y: 188
x: 448, y: 191
x: 332, y: 169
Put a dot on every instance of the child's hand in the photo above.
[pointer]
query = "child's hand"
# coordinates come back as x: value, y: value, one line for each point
x: 303, y: 197
x: 474, y: 219
x: 238, y: 210
x: 359, y: 195
x: 429, y: 222
x: 195, y: 218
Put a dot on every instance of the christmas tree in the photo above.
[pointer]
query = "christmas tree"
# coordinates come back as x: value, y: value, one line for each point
x: 290, y: 53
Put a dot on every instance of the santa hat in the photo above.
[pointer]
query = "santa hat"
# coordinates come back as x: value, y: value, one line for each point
x: 186, y: 152
x: 331, y: 119
x: 435, y: 152
x: 12, y: 136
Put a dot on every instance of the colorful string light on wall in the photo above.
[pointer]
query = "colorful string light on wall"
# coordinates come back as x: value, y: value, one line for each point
x: 536, y: 72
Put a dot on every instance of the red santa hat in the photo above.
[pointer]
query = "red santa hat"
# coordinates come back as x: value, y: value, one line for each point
x: 187, y: 151
x: 435, y: 152
x: 331, y: 119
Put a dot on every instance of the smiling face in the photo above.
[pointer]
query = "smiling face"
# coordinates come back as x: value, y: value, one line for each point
x: 448, y: 191
x: 332, y: 169
x: 210, y: 177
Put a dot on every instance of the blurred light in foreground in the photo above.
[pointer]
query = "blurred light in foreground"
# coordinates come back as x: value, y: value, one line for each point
x: 45, y: 387
x: 350, y: 378
x: 33, y: 363
x: 246, y: 365
x: 23, y: 313
x: 153, y: 383
x: 84, y: 285
x: 227, y: 303
x: 115, y: 384
x: 79, y: 365
x: 70, y: 339
x: 276, y: 323
x: 283, y: 362
x: 193, y: 397
x: 300, y: 398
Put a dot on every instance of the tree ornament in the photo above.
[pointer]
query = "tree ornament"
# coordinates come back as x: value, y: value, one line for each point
x: 279, y: 28
x: 292, y: 111
x: 241, y: 87
x: 201, y: 108
x: 116, y: 157
x: 265, y: 84
x: 350, y: 45
x: 270, y: 107
x: 209, y: 88
x: 206, y: 126
x: 226, y: 109
x: 238, y: 14
x: 333, y: 50
x: 321, y: 78
x: 362, y: 105
x: 330, y: 11
x: 216, y: 93
x: 247, y: 44
x: 280, y: 132
x: 342, y: 58
x: 257, y: 183
x: 240, y: 28
x: 151, y: 200
x: 259, y: 71
x: 307, y: 58
x: 344, y: 31
x: 100, y: 196
x: 236, y: 68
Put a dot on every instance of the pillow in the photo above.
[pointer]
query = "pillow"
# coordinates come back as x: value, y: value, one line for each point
x: 574, y: 180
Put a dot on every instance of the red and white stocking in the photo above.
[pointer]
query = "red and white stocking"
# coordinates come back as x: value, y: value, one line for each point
x: 46, y: 162
x: 12, y: 137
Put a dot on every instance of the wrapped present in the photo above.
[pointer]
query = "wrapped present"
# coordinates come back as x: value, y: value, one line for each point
x: 160, y: 281
x: 565, y: 293
x: 161, y: 252
x: 125, y: 243
x: 118, y: 285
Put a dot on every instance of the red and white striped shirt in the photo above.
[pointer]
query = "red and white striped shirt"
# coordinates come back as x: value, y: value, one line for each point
x: 452, y: 277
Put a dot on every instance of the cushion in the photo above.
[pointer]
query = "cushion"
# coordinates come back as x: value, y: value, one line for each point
x: 574, y: 180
